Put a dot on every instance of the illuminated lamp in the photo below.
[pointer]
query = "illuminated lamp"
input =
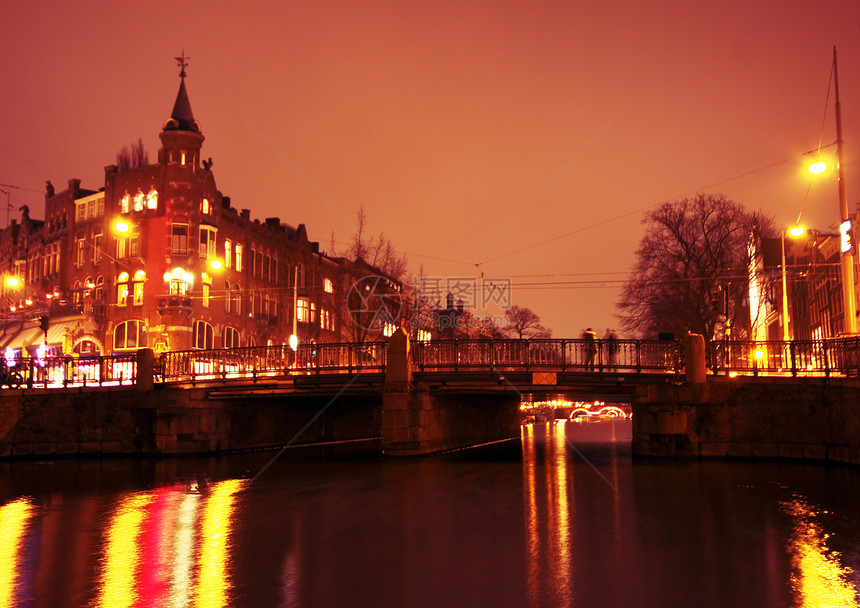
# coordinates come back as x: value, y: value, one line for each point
x: 216, y: 264
x: 122, y: 226
x: 13, y: 281
x: 796, y: 231
x: 817, y: 167
x: 294, y: 341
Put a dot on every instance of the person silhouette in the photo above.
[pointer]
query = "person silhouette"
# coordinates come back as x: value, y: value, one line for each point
x: 590, y: 347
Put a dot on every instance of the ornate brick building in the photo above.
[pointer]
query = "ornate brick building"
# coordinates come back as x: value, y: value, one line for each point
x: 159, y: 257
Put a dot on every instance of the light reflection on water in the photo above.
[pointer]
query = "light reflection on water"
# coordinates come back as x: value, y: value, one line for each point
x: 568, y: 519
x: 818, y: 577
x: 153, y: 540
x: 14, y: 517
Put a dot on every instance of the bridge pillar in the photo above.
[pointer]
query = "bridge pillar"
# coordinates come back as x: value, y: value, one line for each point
x: 145, y: 369
x: 694, y: 358
x: 404, y: 415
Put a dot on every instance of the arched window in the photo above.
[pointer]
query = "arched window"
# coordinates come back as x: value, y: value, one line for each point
x: 204, y: 335
x: 125, y: 203
x: 152, y: 199
x: 138, y: 201
x: 129, y: 335
x: 231, y: 337
x: 139, y: 279
x: 122, y: 289
x: 77, y: 296
x: 99, y: 292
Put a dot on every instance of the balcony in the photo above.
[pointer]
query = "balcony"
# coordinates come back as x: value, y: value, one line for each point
x: 174, y: 303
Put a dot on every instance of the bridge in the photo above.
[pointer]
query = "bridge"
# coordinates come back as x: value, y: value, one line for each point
x: 444, y: 361
x: 421, y: 397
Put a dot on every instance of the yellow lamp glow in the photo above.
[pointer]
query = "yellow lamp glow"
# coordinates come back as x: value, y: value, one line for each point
x: 817, y: 167
x: 13, y: 281
x: 796, y: 231
x: 215, y: 264
x: 759, y: 354
x: 294, y: 341
x: 122, y: 226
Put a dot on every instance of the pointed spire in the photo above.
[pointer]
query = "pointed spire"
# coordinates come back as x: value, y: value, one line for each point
x: 182, y: 118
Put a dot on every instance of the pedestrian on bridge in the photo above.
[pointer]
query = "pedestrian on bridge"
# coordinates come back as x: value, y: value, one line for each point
x: 611, y: 342
x: 590, y: 347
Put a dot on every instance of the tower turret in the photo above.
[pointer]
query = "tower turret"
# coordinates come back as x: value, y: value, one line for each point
x: 181, y: 137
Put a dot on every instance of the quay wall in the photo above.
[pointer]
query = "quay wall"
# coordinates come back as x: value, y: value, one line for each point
x: 168, y: 421
x: 815, y: 419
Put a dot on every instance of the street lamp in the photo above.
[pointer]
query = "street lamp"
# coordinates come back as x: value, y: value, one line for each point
x: 847, y: 257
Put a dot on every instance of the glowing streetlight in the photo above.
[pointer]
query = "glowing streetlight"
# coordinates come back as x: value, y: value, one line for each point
x: 122, y: 226
x: 216, y: 264
x: 817, y: 167
x: 13, y: 281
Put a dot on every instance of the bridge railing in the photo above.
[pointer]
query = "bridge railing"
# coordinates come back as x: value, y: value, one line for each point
x: 549, y: 355
x: 270, y: 361
x: 799, y: 357
x: 71, y: 371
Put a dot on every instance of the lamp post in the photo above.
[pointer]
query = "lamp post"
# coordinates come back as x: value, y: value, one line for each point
x: 845, y: 226
x: 785, y: 336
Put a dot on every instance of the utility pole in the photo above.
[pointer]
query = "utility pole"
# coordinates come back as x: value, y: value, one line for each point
x: 846, y: 227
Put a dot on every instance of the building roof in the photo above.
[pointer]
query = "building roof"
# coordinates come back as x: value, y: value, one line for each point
x: 182, y: 118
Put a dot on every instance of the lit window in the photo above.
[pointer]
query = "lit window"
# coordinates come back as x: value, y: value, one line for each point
x: 204, y: 206
x: 239, y: 257
x: 302, y: 312
x: 80, y: 250
x: 122, y: 289
x: 152, y: 199
x: 139, y: 279
x: 138, y: 201
x: 129, y: 335
x: 313, y: 312
x: 182, y: 159
x: 97, y: 247
x: 328, y: 286
x: 207, y: 286
x: 125, y: 203
x: 207, y: 242
x: 227, y: 296
x: 179, y: 239
x: 228, y: 253
x: 179, y: 281
x: 204, y: 335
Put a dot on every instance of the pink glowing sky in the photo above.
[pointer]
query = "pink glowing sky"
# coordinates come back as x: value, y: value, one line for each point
x: 526, y: 137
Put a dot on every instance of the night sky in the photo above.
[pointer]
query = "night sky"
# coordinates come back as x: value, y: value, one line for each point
x: 525, y: 137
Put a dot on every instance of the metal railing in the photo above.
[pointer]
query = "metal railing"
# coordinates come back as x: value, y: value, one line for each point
x: 549, y: 354
x: 57, y: 372
x: 840, y: 356
x: 836, y: 356
x: 270, y: 361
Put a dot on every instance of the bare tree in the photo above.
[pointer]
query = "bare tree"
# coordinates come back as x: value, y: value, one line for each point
x: 691, y: 271
x: 525, y: 323
x: 376, y: 250
x: 133, y: 157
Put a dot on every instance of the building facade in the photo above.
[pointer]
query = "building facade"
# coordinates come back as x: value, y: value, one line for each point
x: 159, y: 258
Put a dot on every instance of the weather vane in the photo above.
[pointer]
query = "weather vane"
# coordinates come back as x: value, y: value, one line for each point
x: 183, y: 63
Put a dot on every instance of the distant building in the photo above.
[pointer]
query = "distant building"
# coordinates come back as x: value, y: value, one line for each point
x: 813, y: 287
x: 158, y: 257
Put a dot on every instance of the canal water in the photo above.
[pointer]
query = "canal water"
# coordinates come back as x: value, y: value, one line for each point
x: 563, y: 517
